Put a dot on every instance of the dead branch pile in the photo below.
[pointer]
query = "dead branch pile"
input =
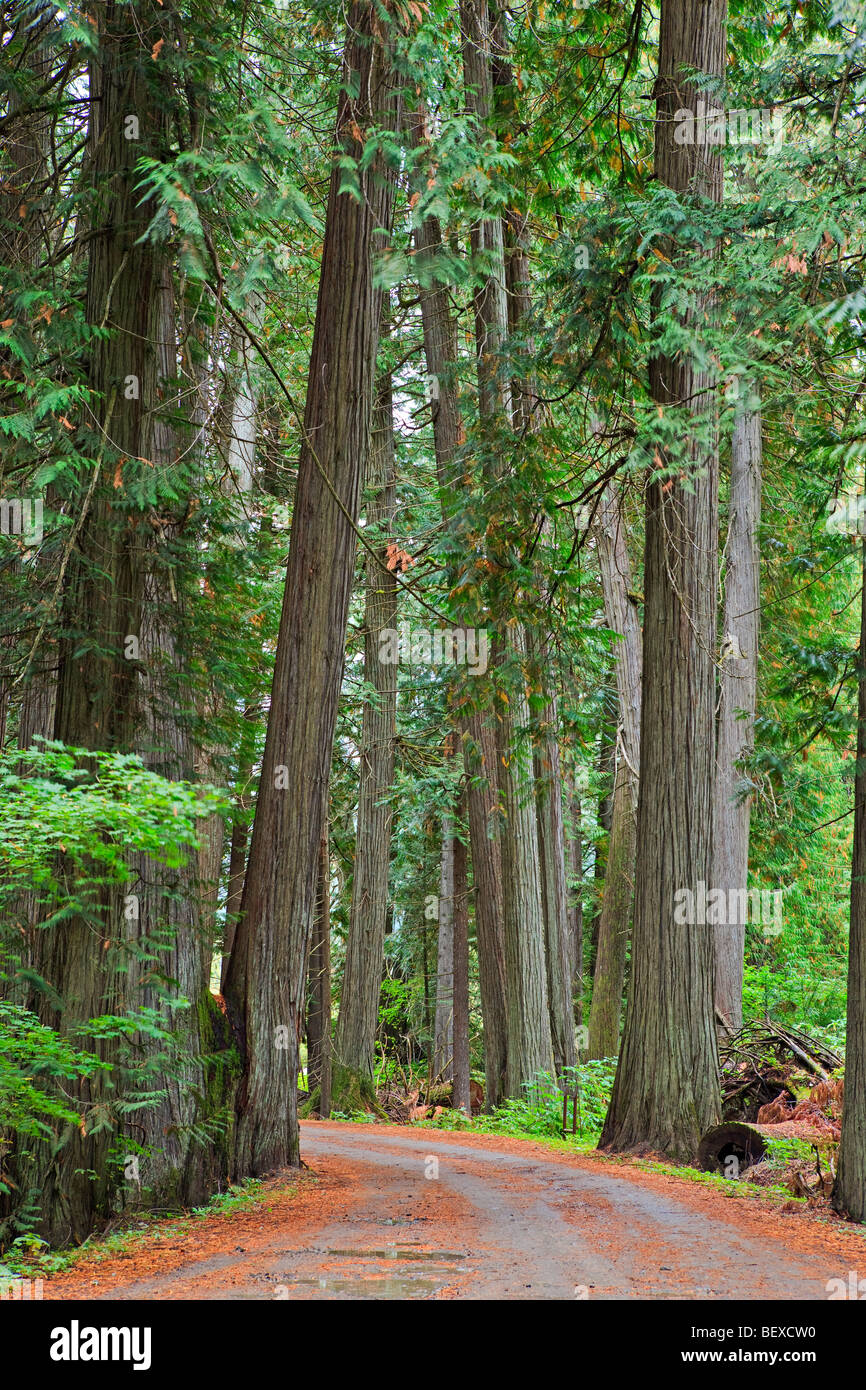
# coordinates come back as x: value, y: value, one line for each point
x: 406, y: 1101
x: 772, y: 1075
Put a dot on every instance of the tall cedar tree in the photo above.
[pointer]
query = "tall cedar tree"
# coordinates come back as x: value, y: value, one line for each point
x: 849, y: 1191
x: 738, y: 695
x: 98, y: 701
x: 666, y: 1090
x: 354, y: 1044
x: 479, y: 751
x: 266, y: 977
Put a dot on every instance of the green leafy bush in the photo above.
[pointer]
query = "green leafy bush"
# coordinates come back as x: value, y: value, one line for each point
x: 70, y: 822
x: 539, y: 1112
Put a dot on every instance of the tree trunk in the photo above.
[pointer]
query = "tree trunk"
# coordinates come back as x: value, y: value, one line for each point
x: 479, y: 752
x: 530, y: 1050
x: 319, y: 1047
x: 621, y: 617
x: 738, y: 693
x: 354, y: 1046
x: 24, y: 231
x: 554, y: 886
x: 238, y: 840
x: 440, y: 350
x: 25, y: 236
x: 527, y: 414
x: 97, y: 704
x: 575, y: 898
x: 443, y: 1026
x: 604, y: 815
x: 265, y: 983
x: 237, y: 484
x: 461, y: 1099
x: 179, y: 1168
x: 529, y: 1045
x: 849, y: 1191
x: 666, y: 1092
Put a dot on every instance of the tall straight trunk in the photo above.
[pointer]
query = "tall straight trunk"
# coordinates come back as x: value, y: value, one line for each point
x: 575, y: 898
x: 621, y: 617
x: 606, y: 767
x: 554, y: 884
x: 178, y: 1167
x: 238, y: 840
x: 613, y: 923
x: 25, y: 232
x: 354, y: 1046
x: 530, y: 1050
x: 265, y: 984
x: 237, y: 484
x: 482, y: 796
x: 440, y: 350
x: 319, y: 1049
x: 738, y: 697
x: 97, y: 696
x: 241, y: 454
x: 460, y: 1098
x: 443, y: 1026
x: 849, y: 1190
x: 666, y: 1092
x: 527, y: 415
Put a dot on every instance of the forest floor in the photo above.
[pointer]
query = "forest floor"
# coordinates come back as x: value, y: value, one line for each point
x: 392, y: 1212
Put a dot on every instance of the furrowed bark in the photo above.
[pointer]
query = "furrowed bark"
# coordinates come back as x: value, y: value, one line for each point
x: 849, y: 1190
x: 443, y: 1025
x: 440, y: 350
x: 554, y: 886
x: 527, y: 414
x: 354, y: 1047
x: 738, y: 694
x: 666, y: 1092
x: 265, y: 982
x: 178, y: 1169
x: 529, y: 1045
x: 621, y: 617
x: 461, y: 1099
x: 575, y: 899
x: 319, y: 1042
x: 97, y: 703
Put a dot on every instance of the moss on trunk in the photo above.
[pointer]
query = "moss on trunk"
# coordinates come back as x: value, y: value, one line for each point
x: 353, y: 1090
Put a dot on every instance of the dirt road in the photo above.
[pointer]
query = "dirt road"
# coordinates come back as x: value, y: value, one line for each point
x: 391, y: 1212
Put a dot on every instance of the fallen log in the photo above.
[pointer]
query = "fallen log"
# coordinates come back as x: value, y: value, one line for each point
x: 748, y: 1143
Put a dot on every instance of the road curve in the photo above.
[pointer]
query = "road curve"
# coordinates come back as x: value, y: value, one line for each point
x: 390, y: 1212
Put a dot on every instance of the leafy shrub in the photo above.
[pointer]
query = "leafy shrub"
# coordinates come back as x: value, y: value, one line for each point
x: 539, y: 1112
x: 70, y: 821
